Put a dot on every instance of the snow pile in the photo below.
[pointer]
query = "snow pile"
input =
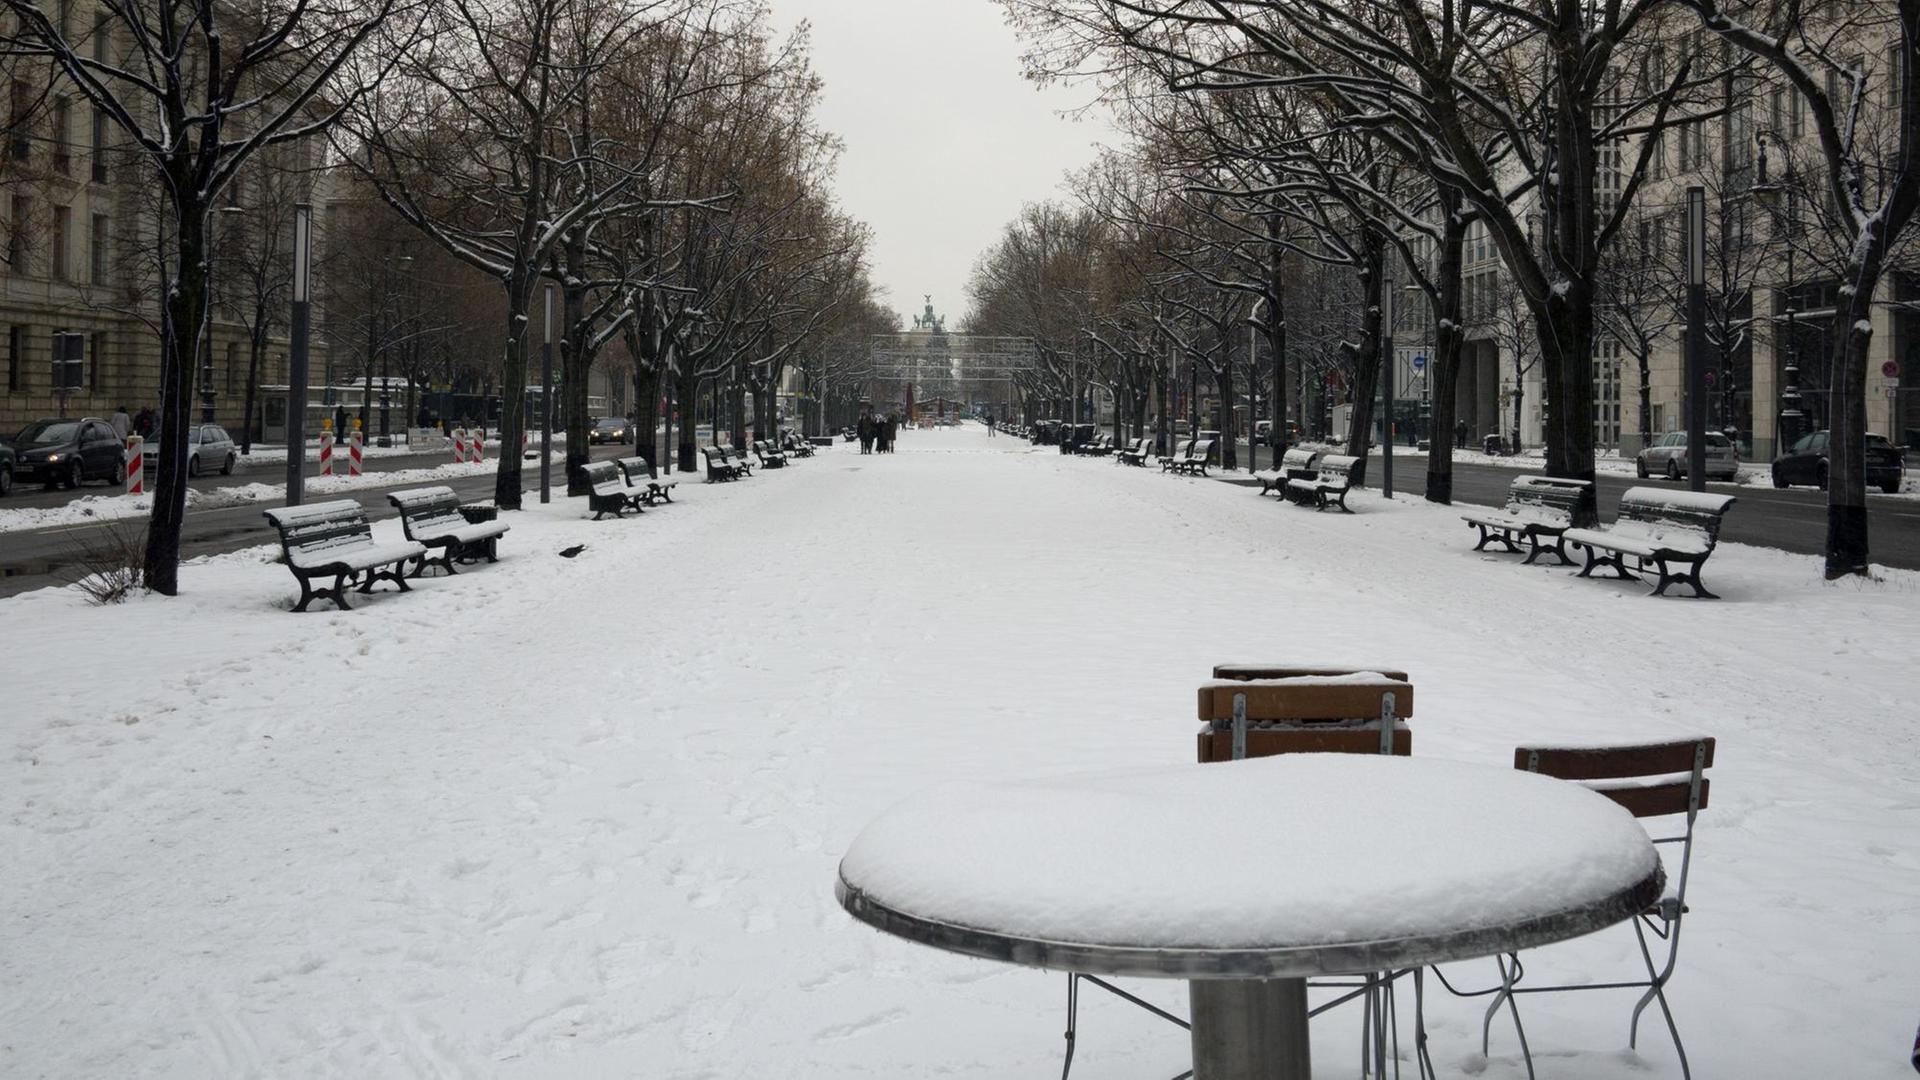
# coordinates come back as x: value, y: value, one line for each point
x: 582, y: 817
x: 1443, y: 847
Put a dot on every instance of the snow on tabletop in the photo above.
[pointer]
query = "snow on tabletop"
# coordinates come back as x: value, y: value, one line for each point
x: 1352, y: 678
x: 1334, y: 848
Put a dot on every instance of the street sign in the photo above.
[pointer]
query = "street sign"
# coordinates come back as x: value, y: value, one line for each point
x: 1419, y: 363
x: 1891, y: 369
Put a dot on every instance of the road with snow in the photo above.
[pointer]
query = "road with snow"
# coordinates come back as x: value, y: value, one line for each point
x: 580, y: 816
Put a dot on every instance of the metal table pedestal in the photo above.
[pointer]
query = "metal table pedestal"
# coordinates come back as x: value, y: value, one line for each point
x: 1250, y: 1029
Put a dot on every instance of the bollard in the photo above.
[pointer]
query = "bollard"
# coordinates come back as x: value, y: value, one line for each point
x: 459, y: 446
x: 326, y: 451
x: 356, y: 443
x: 478, y: 448
x: 136, y: 465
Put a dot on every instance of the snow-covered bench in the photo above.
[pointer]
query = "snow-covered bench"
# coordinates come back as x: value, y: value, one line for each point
x: 334, y: 539
x: 738, y: 459
x: 718, y: 468
x: 608, y: 492
x: 770, y: 458
x: 431, y: 517
x: 640, y: 475
x: 1295, y: 464
x: 1317, y: 710
x: 1657, y: 527
x: 1192, y: 461
x: 1538, y: 508
x: 1134, y: 453
x: 1331, y: 479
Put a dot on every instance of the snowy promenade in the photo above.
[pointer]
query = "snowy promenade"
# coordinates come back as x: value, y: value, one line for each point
x: 580, y: 817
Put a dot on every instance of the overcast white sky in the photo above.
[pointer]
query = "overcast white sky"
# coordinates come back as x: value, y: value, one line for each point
x: 944, y: 139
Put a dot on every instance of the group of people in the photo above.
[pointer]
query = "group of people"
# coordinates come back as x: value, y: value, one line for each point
x: 877, y: 433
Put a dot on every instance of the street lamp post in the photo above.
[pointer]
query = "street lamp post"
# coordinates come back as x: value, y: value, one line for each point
x: 1779, y: 199
x: 1386, y: 383
x: 1697, y: 337
x: 297, y: 352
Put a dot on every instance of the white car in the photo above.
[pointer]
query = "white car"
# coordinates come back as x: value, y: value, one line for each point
x: 1667, y: 456
x: 208, y: 447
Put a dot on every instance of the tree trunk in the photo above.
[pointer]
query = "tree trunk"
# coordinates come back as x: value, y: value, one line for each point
x: 513, y: 391
x: 1229, y: 457
x: 183, y: 319
x: 1448, y: 343
x: 576, y: 361
x: 1847, y: 424
x: 686, y: 391
x: 1644, y: 357
x: 1565, y: 327
x: 256, y: 345
x: 1366, y: 360
x: 1276, y: 341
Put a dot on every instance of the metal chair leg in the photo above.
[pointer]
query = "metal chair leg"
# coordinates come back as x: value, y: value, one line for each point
x: 1073, y: 1016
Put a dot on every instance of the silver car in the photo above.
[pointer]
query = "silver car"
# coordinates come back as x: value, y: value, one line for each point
x: 1667, y: 456
x: 208, y: 447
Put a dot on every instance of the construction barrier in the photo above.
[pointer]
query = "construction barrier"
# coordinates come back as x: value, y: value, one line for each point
x: 136, y: 465
x: 479, y: 446
x: 356, y: 444
x: 326, y: 452
x: 459, y: 446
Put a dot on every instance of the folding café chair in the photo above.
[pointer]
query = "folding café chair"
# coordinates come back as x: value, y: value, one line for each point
x: 1254, y: 711
x: 1652, y: 780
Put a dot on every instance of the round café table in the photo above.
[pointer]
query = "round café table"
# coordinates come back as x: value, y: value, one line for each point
x: 1245, y: 878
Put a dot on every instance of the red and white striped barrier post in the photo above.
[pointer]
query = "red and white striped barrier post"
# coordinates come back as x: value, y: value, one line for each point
x: 136, y: 465
x: 356, y: 444
x: 326, y: 450
x: 479, y: 446
x: 459, y: 446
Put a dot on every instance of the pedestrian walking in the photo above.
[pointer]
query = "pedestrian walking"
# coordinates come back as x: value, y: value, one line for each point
x: 121, y: 423
x: 143, y: 422
x: 1460, y: 435
x: 865, y: 429
x: 891, y: 431
x: 989, y: 425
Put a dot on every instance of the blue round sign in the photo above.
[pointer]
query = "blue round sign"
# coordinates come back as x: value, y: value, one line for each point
x: 1420, y: 362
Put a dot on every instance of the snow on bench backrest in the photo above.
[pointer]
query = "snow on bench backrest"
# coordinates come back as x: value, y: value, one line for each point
x: 1201, y: 449
x: 296, y: 517
x: 339, y: 523
x: 422, y: 498
x: 1299, y: 459
x: 1654, y: 512
x: 1337, y: 464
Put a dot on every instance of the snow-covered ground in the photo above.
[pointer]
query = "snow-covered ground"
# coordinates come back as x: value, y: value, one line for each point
x: 580, y: 817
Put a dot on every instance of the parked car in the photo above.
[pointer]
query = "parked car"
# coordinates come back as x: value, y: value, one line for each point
x: 1805, y: 462
x: 610, y: 429
x: 68, y: 451
x: 208, y: 447
x: 6, y: 469
x: 1667, y: 457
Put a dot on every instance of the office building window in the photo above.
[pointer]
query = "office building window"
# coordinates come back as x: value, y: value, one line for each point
x: 100, y: 138
x: 97, y: 251
x: 20, y: 235
x: 62, y: 242
x: 20, y: 104
x: 97, y: 350
x: 14, y: 359
x: 62, y: 148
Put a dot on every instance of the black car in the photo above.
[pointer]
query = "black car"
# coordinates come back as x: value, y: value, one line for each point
x: 70, y: 452
x: 610, y: 429
x: 6, y: 469
x: 1805, y: 462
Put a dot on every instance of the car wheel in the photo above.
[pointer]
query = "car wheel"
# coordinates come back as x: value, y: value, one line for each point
x: 1820, y: 478
x: 6, y: 482
x: 1779, y: 481
x: 1673, y: 470
x: 227, y: 469
x: 76, y: 475
x: 193, y: 466
x: 1640, y: 468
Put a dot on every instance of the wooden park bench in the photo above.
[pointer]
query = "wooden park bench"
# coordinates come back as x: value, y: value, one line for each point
x: 718, y: 468
x: 608, y: 492
x: 1134, y: 453
x: 1539, y: 508
x: 738, y: 459
x: 1295, y: 464
x: 770, y: 458
x: 1332, y: 478
x: 434, y: 518
x: 1299, y: 709
x: 1192, y: 461
x: 334, y: 539
x: 641, y: 474
x: 1101, y: 446
x: 1659, y: 528
x: 799, y: 447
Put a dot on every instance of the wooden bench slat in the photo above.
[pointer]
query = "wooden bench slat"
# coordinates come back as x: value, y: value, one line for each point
x: 1300, y: 699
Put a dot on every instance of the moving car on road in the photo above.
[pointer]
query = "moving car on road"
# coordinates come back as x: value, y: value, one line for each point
x: 1805, y: 462
x: 208, y: 447
x: 68, y: 451
x: 610, y: 429
x: 1667, y: 456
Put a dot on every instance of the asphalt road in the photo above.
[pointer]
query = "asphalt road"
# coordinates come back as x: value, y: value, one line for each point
x: 32, y: 559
